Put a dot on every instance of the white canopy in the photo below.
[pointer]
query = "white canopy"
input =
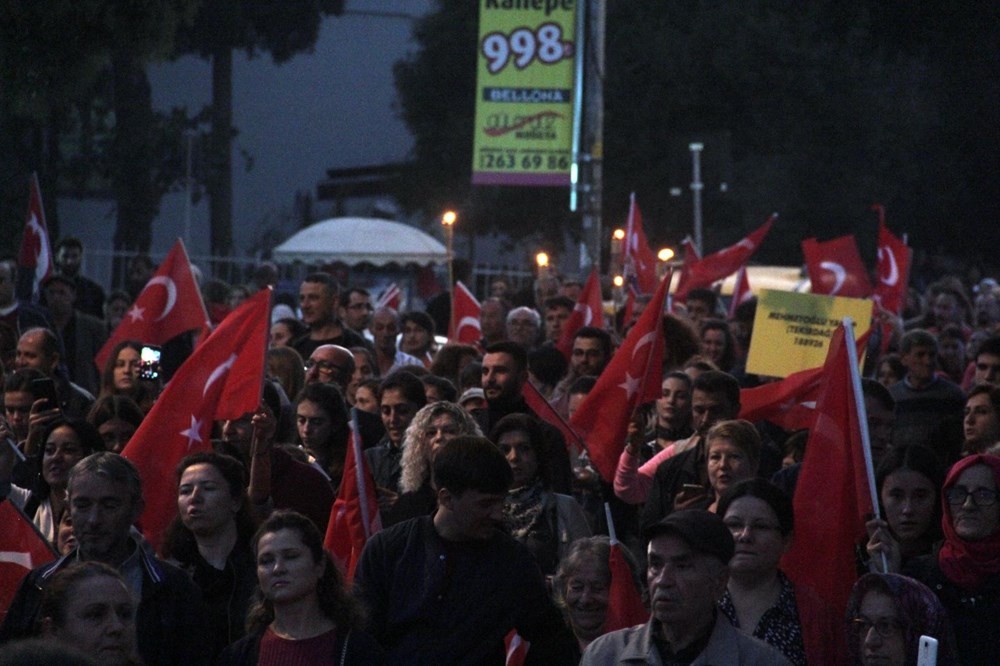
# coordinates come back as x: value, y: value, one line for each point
x: 355, y: 240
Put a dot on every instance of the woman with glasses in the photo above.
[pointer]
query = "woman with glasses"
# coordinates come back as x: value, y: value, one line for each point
x: 887, y: 614
x: 759, y: 599
x: 964, y: 571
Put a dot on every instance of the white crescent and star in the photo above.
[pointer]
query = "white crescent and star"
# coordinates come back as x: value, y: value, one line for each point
x: 631, y: 384
x: 588, y: 314
x: 171, y: 288
x: 219, y: 370
x: 839, y: 275
x: 472, y: 322
x: 893, y: 276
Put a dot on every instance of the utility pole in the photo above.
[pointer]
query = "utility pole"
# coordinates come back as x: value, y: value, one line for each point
x: 586, y: 177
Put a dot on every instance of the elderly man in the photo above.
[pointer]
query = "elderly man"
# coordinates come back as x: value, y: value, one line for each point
x: 447, y: 589
x: 318, y: 296
x: 523, y: 326
x: 385, y: 328
x: 492, y: 321
x: 688, y: 556
x: 38, y: 348
x: 105, y: 499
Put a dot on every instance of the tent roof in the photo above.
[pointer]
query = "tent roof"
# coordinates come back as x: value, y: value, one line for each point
x: 355, y: 240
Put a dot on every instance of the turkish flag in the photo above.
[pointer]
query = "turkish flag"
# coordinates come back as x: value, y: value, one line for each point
x: 169, y: 304
x: 22, y: 549
x: 545, y: 411
x: 639, y: 261
x: 35, y: 255
x: 722, y: 264
x: 835, y: 267
x: 789, y: 403
x: 625, y: 607
x: 222, y: 379
x: 631, y: 378
x: 832, y: 496
x: 464, y: 316
x: 516, y: 647
x: 892, y: 271
x: 354, y: 516
x: 741, y: 292
x: 589, y: 311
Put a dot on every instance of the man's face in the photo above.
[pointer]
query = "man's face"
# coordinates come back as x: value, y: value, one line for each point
x: 880, y: 425
x: 6, y: 285
x: 491, y: 319
x: 522, y: 329
x: 238, y: 432
x: 316, y: 303
x: 314, y: 425
x: 102, y: 513
x: 30, y: 354
x: 68, y: 260
x: 707, y: 409
x: 502, y: 380
x: 397, y: 413
x: 981, y: 424
x: 476, y: 516
x: 697, y: 310
x: 554, y: 319
x: 588, y: 357
x: 385, y: 328
x: 683, y: 583
x: 327, y: 365
x: 919, y: 362
x: 16, y: 406
x: 713, y: 344
x: 945, y: 309
x: 358, y: 312
x: 987, y: 369
x: 60, y: 297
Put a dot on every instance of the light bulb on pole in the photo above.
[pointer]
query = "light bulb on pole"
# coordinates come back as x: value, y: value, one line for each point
x: 448, y: 220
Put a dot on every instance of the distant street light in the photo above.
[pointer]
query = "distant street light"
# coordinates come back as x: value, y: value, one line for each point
x: 542, y: 259
x: 665, y: 254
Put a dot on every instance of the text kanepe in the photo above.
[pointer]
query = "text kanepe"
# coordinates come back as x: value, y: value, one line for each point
x: 548, y: 6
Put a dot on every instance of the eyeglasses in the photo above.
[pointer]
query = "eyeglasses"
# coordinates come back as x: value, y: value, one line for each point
x: 884, y: 627
x: 324, y: 367
x: 957, y: 495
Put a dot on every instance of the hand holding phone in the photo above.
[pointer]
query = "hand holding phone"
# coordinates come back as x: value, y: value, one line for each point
x: 45, y: 388
x: 149, y: 362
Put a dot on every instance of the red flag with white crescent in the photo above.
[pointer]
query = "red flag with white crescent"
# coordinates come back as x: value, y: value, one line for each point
x: 22, y: 549
x: 630, y: 379
x: 222, y: 379
x: 589, y: 311
x: 835, y: 267
x: 892, y: 270
x: 465, y: 309
x: 390, y: 298
x: 169, y: 304
x: 35, y: 254
x: 721, y: 264
x: 741, y: 291
x: 639, y: 261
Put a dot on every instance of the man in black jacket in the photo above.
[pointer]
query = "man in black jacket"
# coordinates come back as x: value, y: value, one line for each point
x: 105, y: 499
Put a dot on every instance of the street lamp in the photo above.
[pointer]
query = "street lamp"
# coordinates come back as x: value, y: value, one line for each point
x: 448, y: 220
x: 665, y: 254
x: 696, y: 187
x: 542, y: 259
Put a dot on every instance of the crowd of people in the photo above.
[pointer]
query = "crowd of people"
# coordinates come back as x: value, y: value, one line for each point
x: 494, y: 528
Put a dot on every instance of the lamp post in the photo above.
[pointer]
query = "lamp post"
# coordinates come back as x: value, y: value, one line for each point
x: 696, y: 187
x: 448, y: 220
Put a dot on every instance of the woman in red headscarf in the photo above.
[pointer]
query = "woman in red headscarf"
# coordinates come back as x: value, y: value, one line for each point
x: 965, y: 571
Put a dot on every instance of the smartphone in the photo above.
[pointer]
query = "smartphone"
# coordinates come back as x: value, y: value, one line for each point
x: 693, y: 489
x: 45, y: 388
x: 149, y: 362
x: 927, y: 651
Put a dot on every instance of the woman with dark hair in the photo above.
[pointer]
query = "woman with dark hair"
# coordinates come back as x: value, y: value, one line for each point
x: 365, y: 367
x: 417, y: 339
x: 582, y: 584
x: 285, y: 330
x: 303, y: 613
x: 890, y: 370
x: 684, y: 342
x: 321, y: 421
x: 116, y: 418
x: 285, y: 365
x: 88, y: 606
x: 66, y: 441
x: 887, y: 614
x: 544, y: 521
x: 964, y: 570
x: 121, y: 375
x: 759, y: 599
x: 907, y: 480
x: 451, y: 359
x: 210, y: 539
x: 718, y: 344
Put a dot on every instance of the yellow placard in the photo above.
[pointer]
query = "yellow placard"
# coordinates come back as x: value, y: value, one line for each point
x: 524, y: 92
x: 792, y: 331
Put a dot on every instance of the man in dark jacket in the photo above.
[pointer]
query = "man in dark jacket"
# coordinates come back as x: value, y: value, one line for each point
x: 105, y: 499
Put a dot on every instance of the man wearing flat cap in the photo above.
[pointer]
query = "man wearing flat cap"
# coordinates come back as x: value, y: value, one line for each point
x: 688, y: 555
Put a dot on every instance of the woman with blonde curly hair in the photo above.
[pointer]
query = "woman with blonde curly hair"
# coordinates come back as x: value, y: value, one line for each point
x: 432, y: 426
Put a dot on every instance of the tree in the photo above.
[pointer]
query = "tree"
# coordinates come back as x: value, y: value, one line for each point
x: 282, y: 28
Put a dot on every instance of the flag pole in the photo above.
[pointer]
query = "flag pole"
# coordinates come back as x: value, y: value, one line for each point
x: 611, y: 524
x: 859, y: 405
x: 359, y: 471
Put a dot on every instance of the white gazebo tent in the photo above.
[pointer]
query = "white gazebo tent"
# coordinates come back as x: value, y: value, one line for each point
x: 358, y: 240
